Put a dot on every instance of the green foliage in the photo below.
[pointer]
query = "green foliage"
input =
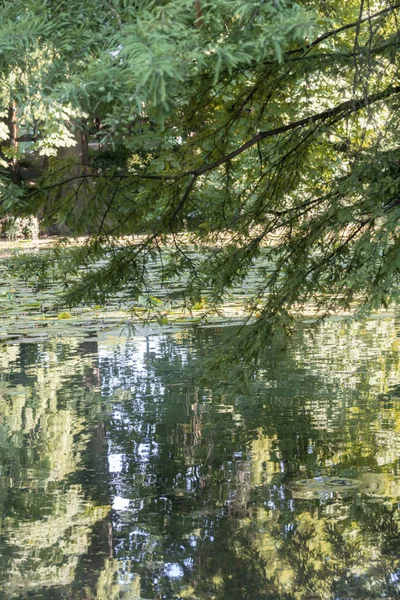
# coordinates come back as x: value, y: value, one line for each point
x: 15, y: 228
x: 268, y: 130
x: 12, y: 197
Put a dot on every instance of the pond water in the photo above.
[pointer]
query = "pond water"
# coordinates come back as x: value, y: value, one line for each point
x: 121, y: 477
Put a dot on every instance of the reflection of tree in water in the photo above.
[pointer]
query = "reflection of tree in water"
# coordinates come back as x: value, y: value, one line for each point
x: 206, y: 473
x: 222, y: 490
x: 49, y: 416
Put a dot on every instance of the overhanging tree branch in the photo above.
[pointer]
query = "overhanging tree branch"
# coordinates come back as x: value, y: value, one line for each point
x: 343, y: 109
x: 117, y: 176
x: 357, y: 23
x: 340, y: 111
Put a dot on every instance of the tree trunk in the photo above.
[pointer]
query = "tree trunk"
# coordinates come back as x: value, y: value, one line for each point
x: 67, y: 202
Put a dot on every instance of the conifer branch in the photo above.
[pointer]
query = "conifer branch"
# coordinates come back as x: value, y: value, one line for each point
x: 357, y: 23
x: 342, y: 110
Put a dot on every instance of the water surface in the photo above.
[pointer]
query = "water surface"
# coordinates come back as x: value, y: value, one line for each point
x: 121, y: 477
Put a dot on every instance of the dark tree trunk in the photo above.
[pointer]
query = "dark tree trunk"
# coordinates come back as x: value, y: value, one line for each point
x: 77, y: 189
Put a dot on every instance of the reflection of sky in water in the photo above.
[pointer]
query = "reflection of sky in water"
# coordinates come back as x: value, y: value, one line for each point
x: 115, y: 463
x: 173, y: 570
x: 125, y: 366
x: 120, y: 503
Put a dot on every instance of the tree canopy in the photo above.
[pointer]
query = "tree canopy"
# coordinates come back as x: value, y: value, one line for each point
x: 236, y: 133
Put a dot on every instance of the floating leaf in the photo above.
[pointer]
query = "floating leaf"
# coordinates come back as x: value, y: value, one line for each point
x: 64, y: 315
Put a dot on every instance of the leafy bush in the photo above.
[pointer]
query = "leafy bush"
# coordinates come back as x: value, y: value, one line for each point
x: 16, y: 228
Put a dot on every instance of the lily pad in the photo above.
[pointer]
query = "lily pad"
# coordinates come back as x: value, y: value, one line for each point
x: 322, y: 486
x: 64, y: 315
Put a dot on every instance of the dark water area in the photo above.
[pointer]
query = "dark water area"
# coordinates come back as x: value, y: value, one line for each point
x: 121, y: 477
